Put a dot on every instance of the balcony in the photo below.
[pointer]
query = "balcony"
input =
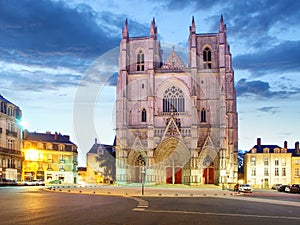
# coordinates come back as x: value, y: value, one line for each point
x: 10, y: 151
x: 11, y: 133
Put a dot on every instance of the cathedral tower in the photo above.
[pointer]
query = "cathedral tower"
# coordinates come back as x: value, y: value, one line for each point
x: 176, y: 122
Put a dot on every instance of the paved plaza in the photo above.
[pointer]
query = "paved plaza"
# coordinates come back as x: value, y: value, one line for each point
x: 153, y: 190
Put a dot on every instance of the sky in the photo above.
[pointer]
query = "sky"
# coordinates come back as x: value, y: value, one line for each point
x: 58, y: 61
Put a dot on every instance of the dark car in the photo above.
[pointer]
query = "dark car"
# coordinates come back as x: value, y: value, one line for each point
x: 276, y: 186
x: 295, y: 188
x: 284, y: 188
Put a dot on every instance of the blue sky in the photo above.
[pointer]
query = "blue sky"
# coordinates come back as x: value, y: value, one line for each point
x: 50, y: 49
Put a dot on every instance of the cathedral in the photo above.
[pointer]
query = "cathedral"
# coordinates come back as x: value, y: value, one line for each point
x: 176, y: 123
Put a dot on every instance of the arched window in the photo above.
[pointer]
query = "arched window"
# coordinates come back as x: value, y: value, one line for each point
x: 144, y: 115
x: 203, y: 115
x: 207, y: 58
x: 140, y: 61
x: 173, y: 100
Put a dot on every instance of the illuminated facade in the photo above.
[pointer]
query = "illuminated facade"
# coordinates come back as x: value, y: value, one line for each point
x: 266, y: 165
x: 10, y: 140
x: 176, y: 122
x: 100, y: 163
x: 49, y: 157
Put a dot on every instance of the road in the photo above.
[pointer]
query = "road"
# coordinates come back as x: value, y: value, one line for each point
x: 31, y: 205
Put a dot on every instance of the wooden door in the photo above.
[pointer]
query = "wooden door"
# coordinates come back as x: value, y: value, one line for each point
x: 178, y: 175
x: 169, y: 175
x: 208, y: 175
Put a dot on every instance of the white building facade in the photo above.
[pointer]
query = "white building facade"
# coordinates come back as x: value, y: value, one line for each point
x: 10, y: 140
x: 176, y: 123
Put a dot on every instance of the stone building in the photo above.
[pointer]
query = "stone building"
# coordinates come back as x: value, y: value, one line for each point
x: 10, y: 140
x: 266, y: 165
x: 101, y: 162
x: 176, y: 122
x: 49, y: 157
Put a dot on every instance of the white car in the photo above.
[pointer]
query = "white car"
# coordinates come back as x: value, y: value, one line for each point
x: 35, y: 183
x: 245, y: 188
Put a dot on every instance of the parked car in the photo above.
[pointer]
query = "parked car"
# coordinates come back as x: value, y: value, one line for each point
x: 245, y: 188
x: 35, y: 183
x: 284, y: 188
x: 7, y: 182
x: 295, y: 188
x: 20, y: 182
x: 55, y: 182
x: 276, y: 186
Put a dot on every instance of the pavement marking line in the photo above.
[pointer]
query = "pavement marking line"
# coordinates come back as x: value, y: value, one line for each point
x: 263, y: 200
x: 218, y: 214
x: 142, y: 204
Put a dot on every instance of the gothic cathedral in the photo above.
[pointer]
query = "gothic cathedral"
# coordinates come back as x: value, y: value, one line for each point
x: 176, y: 123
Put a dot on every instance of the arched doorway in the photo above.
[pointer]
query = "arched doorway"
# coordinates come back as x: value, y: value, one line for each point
x: 136, y: 160
x: 139, y: 163
x: 208, y: 171
x: 172, y: 155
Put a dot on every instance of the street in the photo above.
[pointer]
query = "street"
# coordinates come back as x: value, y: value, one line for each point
x: 33, y: 205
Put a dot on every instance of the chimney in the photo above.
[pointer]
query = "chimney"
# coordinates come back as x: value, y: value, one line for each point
x: 285, y: 144
x: 297, y: 150
x: 258, y: 142
x: 95, y: 140
x: 55, y: 136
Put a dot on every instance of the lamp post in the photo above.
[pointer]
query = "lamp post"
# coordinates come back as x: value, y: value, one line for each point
x: 143, y: 178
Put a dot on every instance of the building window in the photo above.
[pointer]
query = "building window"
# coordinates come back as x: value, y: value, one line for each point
x: 173, y: 100
x: 266, y: 161
x: 283, y: 162
x: 297, y: 172
x: 144, y: 115
x: 10, y: 144
x: 283, y: 170
x: 276, y: 150
x: 253, y: 171
x: 276, y: 162
x: 140, y: 61
x: 266, y: 150
x: 203, y: 115
x: 276, y: 171
x: 266, y: 172
x: 207, y: 58
x: 143, y: 86
x: 297, y: 162
x: 253, y: 161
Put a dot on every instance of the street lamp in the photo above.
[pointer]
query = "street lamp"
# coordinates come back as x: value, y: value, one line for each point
x: 143, y: 178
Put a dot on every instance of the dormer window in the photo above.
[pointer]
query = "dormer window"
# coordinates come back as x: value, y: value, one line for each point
x: 266, y: 150
x: 140, y: 62
x: 207, y: 58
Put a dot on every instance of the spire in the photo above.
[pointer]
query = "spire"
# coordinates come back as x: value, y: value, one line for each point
x: 222, y: 26
x: 193, y: 27
x: 153, y: 29
x: 125, y: 30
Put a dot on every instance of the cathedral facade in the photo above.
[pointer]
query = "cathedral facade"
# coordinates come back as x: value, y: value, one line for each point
x: 176, y: 123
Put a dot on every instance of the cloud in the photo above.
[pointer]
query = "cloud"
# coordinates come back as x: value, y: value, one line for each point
x: 259, y: 89
x: 249, y: 22
x: 47, y: 26
x: 282, y: 57
x: 269, y: 109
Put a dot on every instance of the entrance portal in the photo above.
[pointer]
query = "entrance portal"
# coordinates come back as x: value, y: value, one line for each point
x: 177, y: 175
x: 208, y: 175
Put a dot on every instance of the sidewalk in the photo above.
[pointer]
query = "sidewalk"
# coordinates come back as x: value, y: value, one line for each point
x: 153, y: 191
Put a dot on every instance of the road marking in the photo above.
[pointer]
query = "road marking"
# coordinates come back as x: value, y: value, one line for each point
x: 218, y: 214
